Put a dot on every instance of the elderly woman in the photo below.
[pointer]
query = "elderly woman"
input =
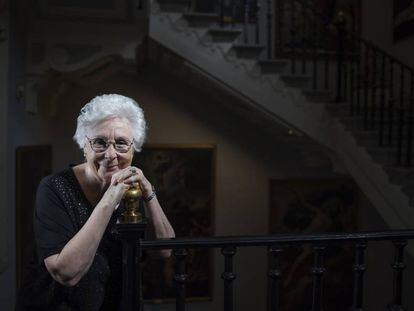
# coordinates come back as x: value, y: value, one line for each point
x: 79, y: 252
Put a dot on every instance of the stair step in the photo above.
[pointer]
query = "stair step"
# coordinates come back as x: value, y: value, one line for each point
x: 223, y: 34
x: 359, y: 121
x: 201, y: 19
x: 320, y: 96
x: 250, y: 51
x: 405, y: 172
x: 174, y: 5
x: 386, y: 156
x: 299, y: 81
x: 273, y: 66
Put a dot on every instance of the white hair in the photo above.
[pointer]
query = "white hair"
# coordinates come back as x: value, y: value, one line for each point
x: 108, y: 106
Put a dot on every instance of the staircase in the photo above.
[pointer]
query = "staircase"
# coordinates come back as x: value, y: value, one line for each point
x: 349, y: 118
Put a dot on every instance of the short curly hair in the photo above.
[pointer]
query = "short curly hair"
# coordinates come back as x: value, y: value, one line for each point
x: 108, y: 106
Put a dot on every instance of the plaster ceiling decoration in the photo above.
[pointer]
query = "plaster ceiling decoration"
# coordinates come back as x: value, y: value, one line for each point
x: 93, y: 10
x: 70, y: 57
x: 60, y: 82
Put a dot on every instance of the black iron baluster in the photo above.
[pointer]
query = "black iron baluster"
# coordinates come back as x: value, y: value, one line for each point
x: 228, y: 276
x: 274, y: 275
x: 401, y: 107
x: 327, y: 56
x: 382, y: 101
x: 221, y: 4
x: 303, y: 41
x: 293, y: 37
x: 341, y: 23
x: 366, y: 86
x: 398, y: 267
x: 345, y: 75
x: 257, y: 21
x: 359, y: 75
x: 269, y: 29
x: 318, y: 272
x: 233, y: 13
x: 352, y: 58
x: 359, y: 270
x: 352, y: 82
x: 180, y: 278
x: 280, y: 16
x: 391, y: 103
x: 315, y: 43
x: 374, y: 79
x: 246, y: 21
x: 410, y: 118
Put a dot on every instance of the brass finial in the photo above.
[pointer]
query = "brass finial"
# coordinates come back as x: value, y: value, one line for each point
x: 132, y: 198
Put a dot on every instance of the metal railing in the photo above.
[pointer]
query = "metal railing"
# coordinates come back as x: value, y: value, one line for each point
x: 276, y: 245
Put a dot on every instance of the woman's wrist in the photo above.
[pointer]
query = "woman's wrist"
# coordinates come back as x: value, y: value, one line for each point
x: 149, y: 195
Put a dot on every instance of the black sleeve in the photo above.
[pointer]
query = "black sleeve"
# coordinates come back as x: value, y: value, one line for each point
x: 52, y: 225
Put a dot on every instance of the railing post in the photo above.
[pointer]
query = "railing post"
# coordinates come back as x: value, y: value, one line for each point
x: 398, y: 267
x: 292, y: 37
x: 366, y: 85
x: 382, y: 101
x: 316, y: 40
x: 180, y: 277
x: 257, y: 16
x: 131, y: 235
x: 274, y: 275
x: 373, y: 89
x: 391, y: 105
x: 318, y: 271
x: 228, y: 277
x: 221, y: 5
x: 269, y: 29
x: 410, y: 119
x: 359, y: 269
x: 340, y: 24
x: 401, y: 118
x: 246, y: 21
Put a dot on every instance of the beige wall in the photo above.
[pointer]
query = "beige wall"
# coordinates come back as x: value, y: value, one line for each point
x: 246, y: 161
x: 242, y: 178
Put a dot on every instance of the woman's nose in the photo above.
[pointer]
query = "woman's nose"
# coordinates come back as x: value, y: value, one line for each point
x: 110, y: 152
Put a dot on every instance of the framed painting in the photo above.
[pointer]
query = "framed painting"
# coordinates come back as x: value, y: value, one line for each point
x: 403, y: 19
x: 308, y: 207
x: 183, y: 177
x: 32, y: 164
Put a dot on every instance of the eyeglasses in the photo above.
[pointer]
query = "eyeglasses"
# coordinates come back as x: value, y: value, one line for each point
x: 101, y: 144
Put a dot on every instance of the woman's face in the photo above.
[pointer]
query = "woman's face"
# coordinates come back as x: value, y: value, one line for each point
x: 105, y: 164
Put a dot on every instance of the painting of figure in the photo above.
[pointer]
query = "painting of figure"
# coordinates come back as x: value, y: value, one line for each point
x: 183, y: 179
x: 314, y: 206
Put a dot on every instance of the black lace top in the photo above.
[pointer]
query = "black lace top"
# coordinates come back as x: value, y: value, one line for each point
x: 61, y: 210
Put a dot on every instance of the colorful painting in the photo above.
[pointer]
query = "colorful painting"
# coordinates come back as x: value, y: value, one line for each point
x: 314, y: 206
x: 183, y: 177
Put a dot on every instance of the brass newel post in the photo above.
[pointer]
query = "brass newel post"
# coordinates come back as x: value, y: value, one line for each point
x: 131, y: 227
